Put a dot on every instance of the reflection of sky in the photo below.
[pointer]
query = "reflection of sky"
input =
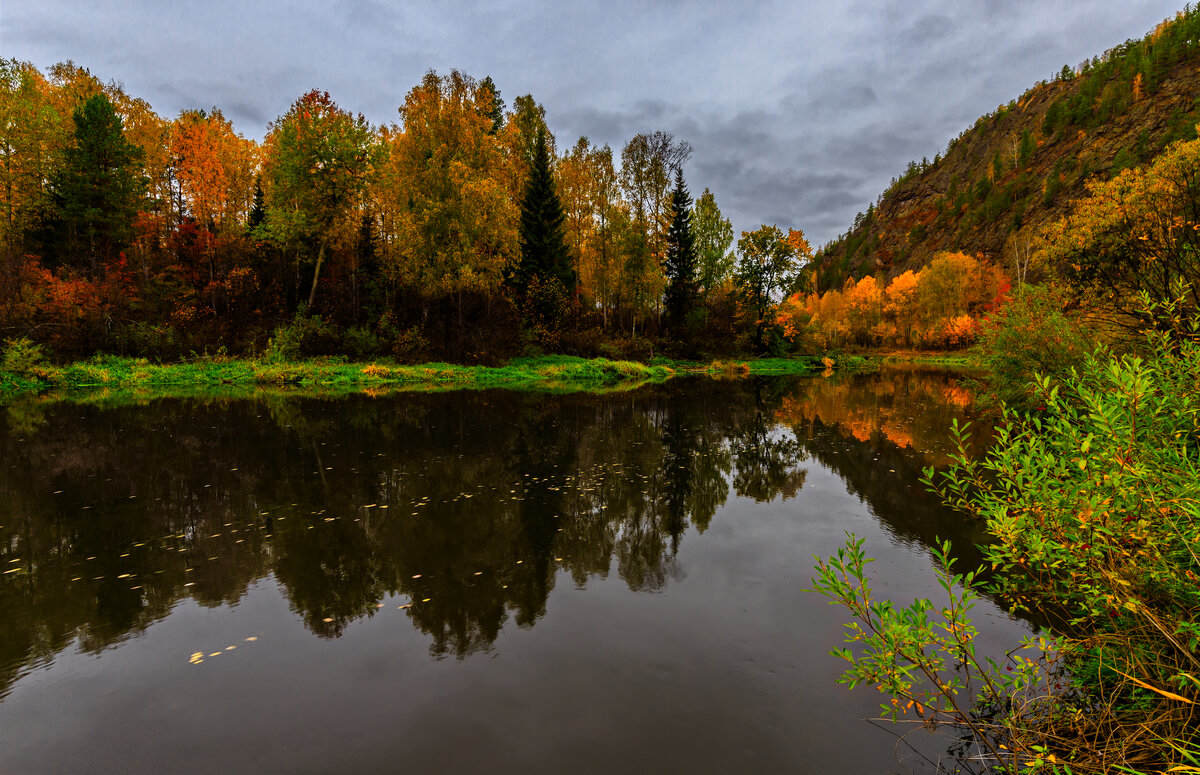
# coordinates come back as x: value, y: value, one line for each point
x: 800, y: 112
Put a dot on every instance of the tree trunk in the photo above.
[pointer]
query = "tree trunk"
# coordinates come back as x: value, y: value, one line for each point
x: 312, y: 294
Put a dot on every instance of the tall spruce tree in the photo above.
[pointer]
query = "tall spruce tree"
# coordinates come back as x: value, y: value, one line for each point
x: 680, y: 263
x: 98, y: 189
x: 544, y: 253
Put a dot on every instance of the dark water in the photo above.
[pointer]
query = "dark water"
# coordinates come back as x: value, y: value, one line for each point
x: 460, y: 582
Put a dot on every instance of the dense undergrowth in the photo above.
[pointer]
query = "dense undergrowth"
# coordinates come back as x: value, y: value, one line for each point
x: 1091, y: 499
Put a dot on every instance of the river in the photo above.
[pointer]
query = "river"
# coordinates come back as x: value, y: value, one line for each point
x: 464, y: 581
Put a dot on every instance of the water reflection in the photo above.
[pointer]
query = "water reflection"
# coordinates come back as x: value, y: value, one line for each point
x: 464, y: 507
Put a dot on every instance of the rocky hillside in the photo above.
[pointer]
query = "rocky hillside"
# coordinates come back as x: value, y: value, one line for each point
x: 1020, y: 167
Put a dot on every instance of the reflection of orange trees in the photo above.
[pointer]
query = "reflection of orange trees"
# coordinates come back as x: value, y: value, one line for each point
x: 939, y: 306
x: 910, y: 409
x: 897, y: 435
x: 958, y: 396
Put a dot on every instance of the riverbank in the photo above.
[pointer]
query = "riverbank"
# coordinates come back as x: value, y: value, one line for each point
x: 116, y: 376
x: 107, y: 373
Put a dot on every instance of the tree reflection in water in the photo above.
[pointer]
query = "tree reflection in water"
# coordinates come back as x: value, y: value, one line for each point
x: 465, y: 505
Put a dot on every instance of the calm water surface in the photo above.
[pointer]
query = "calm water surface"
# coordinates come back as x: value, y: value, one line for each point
x: 460, y: 582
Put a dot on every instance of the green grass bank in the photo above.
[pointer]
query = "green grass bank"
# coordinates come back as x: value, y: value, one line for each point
x: 116, y: 376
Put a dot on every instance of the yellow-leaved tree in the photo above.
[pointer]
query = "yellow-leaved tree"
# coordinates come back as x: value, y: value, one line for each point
x: 448, y: 186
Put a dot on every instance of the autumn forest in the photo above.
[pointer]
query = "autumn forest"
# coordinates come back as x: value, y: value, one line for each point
x: 463, y: 231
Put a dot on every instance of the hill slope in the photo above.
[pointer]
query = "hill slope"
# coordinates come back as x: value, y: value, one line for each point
x: 1020, y: 167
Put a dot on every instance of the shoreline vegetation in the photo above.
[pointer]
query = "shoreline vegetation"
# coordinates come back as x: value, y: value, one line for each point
x: 232, y: 377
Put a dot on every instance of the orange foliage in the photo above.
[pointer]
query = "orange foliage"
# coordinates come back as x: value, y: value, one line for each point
x: 215, y: 167
x: 939, y: 306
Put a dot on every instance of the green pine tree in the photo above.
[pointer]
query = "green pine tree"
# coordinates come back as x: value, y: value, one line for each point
x: 680, y: 264
x: 544, y: 254
x: 98, y: 188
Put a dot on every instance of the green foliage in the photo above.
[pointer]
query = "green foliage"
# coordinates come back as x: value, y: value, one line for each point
x: 306, y: 335
x: 766, y: 269
x: 1025, y: 149
x: 98, y: 188
x: 924, y: 659
x: 1092, y: 506
x: 319, y: 161
x: 714, y: 237
x: 1029, y: 335
x: 544, y: 254
x: 360, y: 342
x: 22, y: 357
x: 680, y: 264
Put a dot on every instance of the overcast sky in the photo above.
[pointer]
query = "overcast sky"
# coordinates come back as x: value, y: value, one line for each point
x: 800, y: 112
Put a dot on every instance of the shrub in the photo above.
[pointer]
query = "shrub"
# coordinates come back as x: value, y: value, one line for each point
x: 304, y: 336
x: 1029, y: 335
x: 360, y: 342
x: 23, y: 358
x: 1092, y: 506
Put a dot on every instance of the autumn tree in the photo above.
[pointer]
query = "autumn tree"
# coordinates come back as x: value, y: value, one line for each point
x: 714, y: 236
x: 864, y: 305
x: 596, y: 221
x: 1139, y: 232
x: 766, y: 269
x: 98, y: 187
x: 215, y: 168
x: 318, y: 161
x: 449, y: 214
x: 648, y: 163
x: 679, y: 267
x: 900, y: 303
x: 32, y: 133
x: 490, y: 103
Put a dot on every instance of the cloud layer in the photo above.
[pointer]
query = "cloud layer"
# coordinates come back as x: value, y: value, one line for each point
x: 800, y: 112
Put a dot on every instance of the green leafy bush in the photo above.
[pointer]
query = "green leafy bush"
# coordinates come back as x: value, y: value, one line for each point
x: 1030, y: 334
x: 23, y: 358
x: 305, y: 336
x: 1092, y: 506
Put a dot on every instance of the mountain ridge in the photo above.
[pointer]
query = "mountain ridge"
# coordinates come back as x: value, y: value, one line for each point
x: 1020, y: 168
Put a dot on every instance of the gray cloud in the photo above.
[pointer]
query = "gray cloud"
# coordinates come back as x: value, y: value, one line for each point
x: 800, y: 112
